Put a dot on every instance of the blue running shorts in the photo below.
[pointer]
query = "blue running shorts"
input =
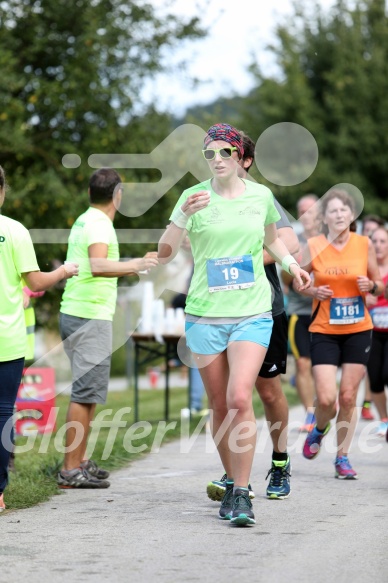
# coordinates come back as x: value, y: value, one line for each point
x: 214, y: 338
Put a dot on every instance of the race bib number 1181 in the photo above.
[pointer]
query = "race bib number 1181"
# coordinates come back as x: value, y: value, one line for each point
x: 346, y: 310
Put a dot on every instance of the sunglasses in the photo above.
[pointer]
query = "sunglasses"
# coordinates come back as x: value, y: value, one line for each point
x: 210, y: 153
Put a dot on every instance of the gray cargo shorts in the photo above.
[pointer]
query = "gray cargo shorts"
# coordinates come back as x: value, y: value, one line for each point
x: 88, y: 344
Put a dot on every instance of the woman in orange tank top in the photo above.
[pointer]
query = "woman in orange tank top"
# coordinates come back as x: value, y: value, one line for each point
x: 345, y: 269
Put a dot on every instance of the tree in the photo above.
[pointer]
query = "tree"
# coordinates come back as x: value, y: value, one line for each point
x: 71, y: 75
x: 334, y: 81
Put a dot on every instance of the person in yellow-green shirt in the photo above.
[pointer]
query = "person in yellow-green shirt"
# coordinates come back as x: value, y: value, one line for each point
x: 86, y: 316
x: 228, y: 310
x: 17, y: 262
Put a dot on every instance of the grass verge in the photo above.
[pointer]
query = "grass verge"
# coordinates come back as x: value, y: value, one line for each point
x: 40, y: 457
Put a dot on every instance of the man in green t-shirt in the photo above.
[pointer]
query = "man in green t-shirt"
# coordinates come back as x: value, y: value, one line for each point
x: 86, y: 315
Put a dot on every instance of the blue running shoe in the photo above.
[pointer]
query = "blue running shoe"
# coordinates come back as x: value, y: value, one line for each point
x: 279, y: 483
x: 225, y: 512
x: 216, y: 489
x: 312, y: 445
x: 242, y: 513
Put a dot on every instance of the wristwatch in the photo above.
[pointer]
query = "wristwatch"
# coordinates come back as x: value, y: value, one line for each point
x: 374, y: 288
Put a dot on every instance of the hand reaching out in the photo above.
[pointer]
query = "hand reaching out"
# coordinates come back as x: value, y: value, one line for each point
x: 302, y: 279
x: 70, y: 269
x: 196, y: 202
x: 146, y: 263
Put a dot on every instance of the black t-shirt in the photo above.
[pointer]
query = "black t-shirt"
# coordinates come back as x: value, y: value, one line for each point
x: 271, y: 270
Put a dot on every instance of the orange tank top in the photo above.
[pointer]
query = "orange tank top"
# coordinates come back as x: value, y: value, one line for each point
x: 345, y: 312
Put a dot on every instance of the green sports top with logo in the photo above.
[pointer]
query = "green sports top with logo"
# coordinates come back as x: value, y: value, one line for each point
x: 227, y: 245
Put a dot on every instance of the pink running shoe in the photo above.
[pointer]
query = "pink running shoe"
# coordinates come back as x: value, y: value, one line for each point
x: 366, y: 413
x: 343, y: 469
x: 312, y: 445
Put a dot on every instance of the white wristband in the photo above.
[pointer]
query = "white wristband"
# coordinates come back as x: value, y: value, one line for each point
x: 287, y: 261
x: 180, y: 218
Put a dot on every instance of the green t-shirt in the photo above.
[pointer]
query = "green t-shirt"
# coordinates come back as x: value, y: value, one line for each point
x: 86, y: 296
x: 17, y: 256
x: 227, y: 245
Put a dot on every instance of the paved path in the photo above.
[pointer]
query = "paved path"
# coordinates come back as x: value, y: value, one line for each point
x: 155, y: 523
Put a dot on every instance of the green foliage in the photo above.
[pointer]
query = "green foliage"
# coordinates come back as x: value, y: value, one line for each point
x: 333, y: 80
x: 71, y: 73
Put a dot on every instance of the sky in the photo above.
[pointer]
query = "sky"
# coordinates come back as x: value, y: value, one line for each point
x: 238, y: 33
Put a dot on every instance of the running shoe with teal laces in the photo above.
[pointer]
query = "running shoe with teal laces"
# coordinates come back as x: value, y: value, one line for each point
x: 242, y: 513
x: 216, y: 489
x: 343, y: 469
x: 279, y: 483
x: 225, y: 511
x: 312, y: 445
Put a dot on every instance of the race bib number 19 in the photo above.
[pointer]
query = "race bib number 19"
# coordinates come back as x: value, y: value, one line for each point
x: 228, y: 273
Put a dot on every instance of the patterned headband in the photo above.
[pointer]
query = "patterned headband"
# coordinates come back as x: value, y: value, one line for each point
x: 226, y: 133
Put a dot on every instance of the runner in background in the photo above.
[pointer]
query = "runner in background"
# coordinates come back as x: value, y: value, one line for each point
x: 369, y: 224
x: 345, y: 268
x: 378, y: 308
x: 299, y: 313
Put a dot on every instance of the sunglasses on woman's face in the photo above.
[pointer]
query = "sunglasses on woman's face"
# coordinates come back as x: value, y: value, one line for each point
x: 210, y: 153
